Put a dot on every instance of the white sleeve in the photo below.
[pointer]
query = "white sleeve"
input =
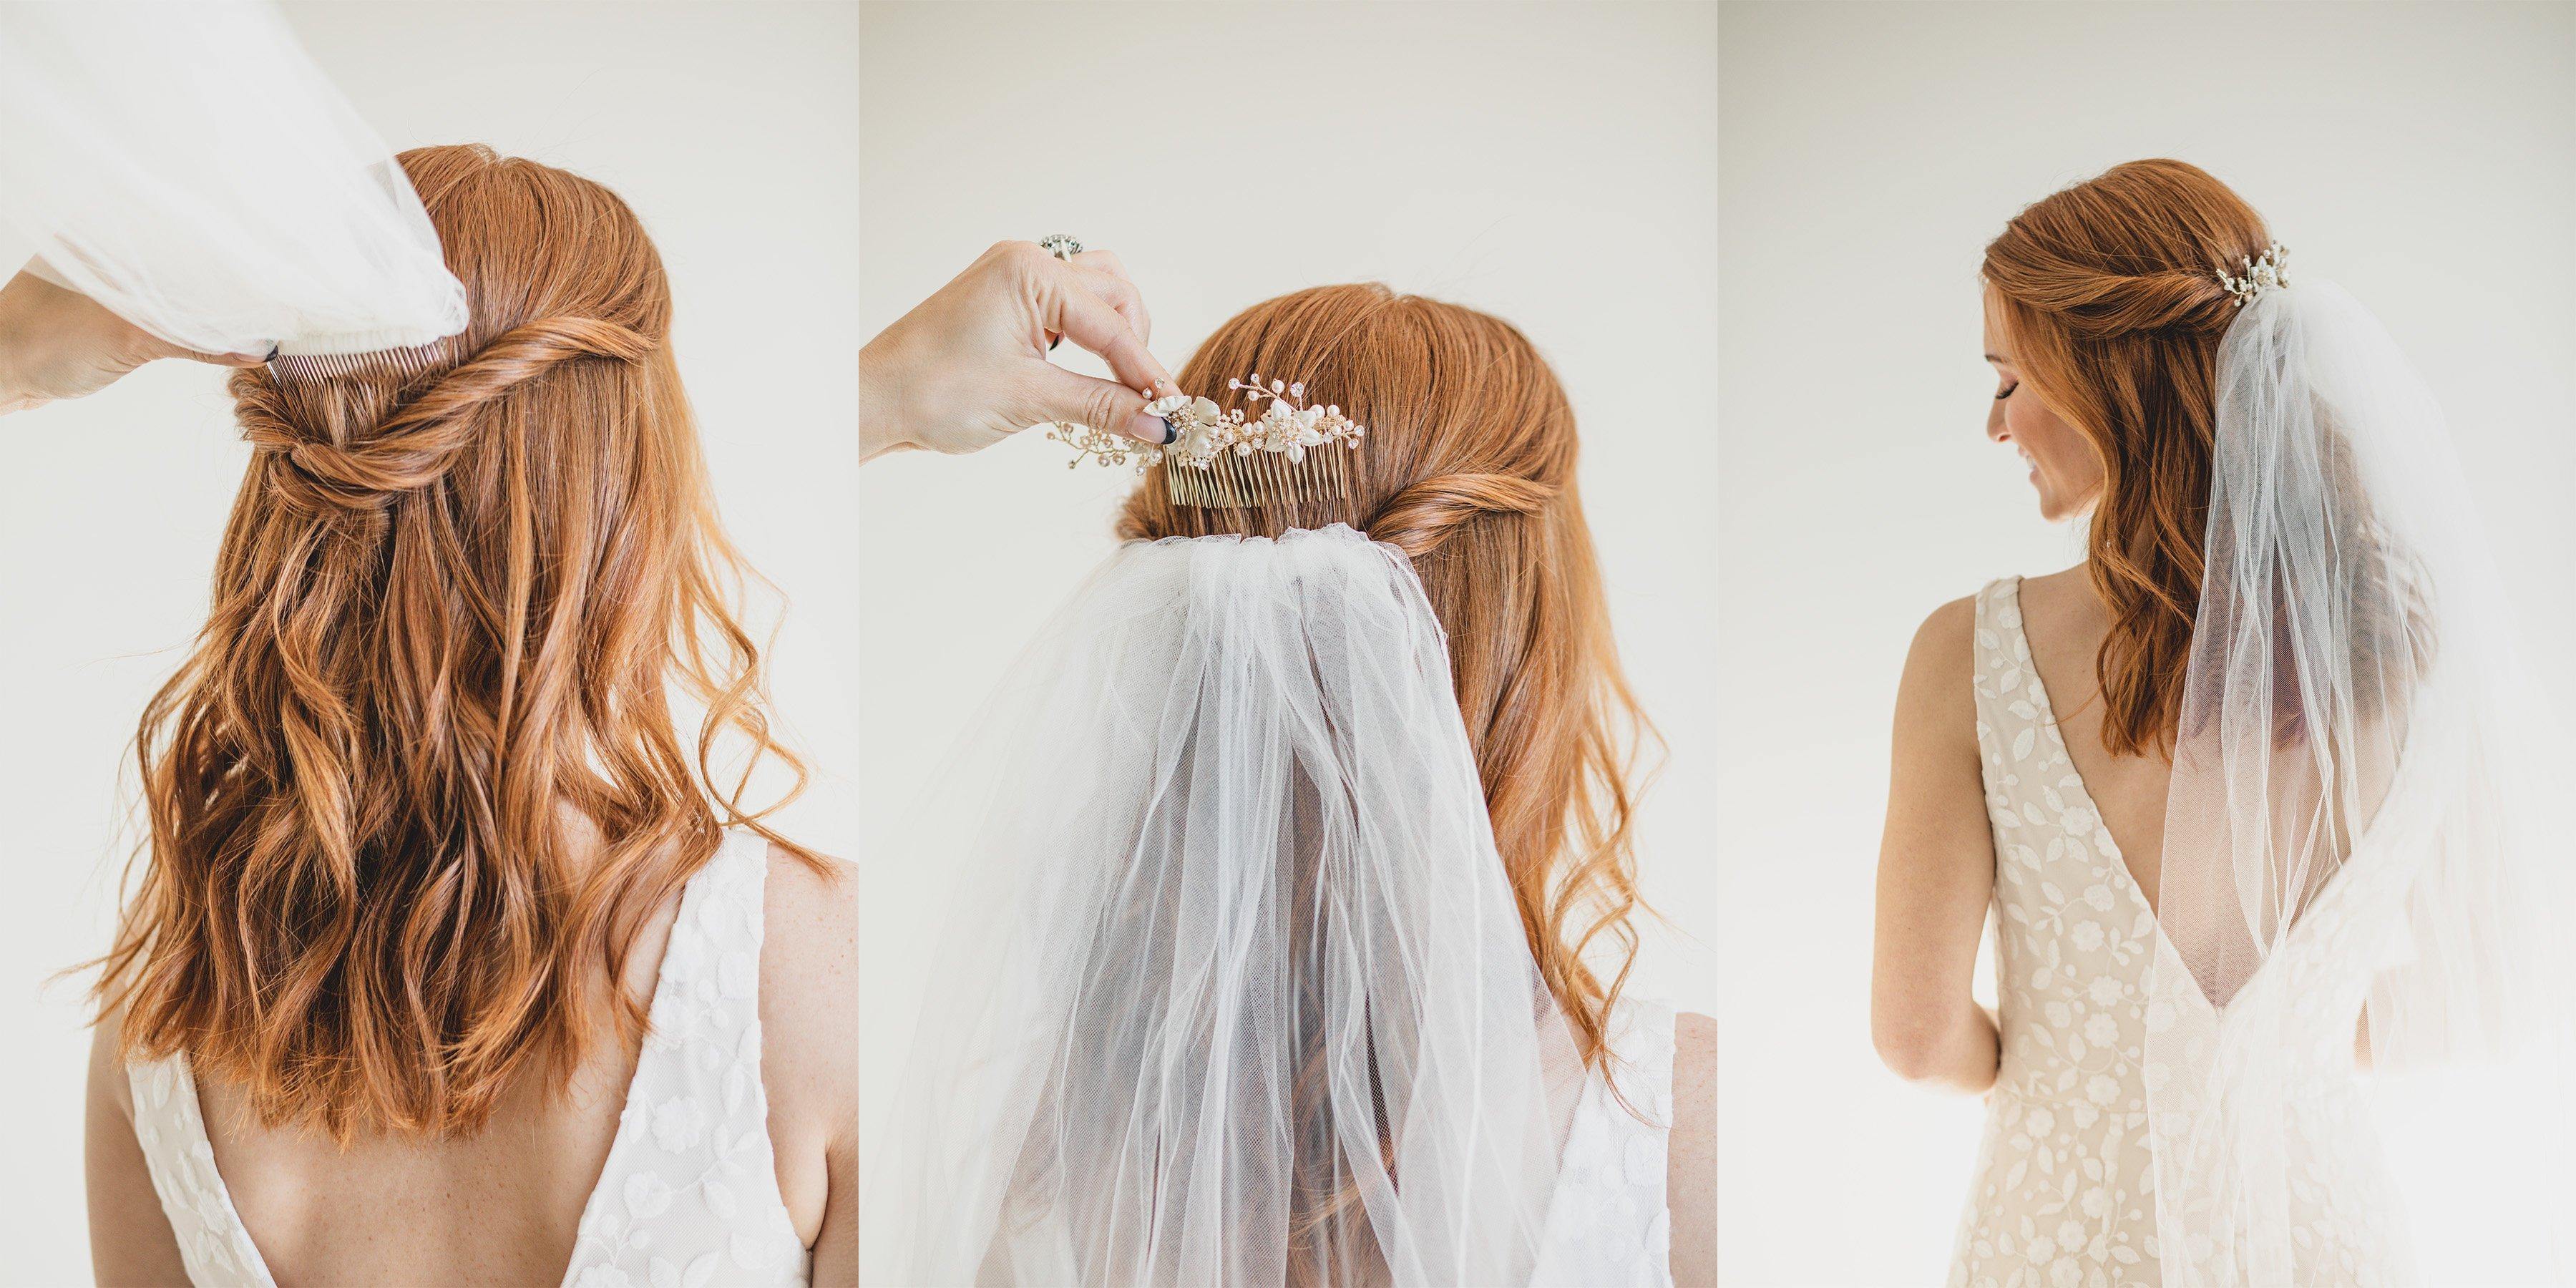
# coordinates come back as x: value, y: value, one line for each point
x: 189, y: 167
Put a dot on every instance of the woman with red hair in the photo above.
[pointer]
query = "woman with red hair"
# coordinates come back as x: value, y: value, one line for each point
x: 2244, y: 790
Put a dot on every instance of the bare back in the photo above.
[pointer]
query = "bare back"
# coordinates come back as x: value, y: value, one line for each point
x: 504, y: 1205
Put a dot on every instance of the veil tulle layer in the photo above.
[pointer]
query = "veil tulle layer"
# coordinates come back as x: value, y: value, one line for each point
x: 188, y: 167
x: 1239, y: 994
x: 2356, y: 852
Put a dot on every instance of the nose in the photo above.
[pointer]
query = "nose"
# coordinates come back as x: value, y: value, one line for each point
x: 1995, y: 432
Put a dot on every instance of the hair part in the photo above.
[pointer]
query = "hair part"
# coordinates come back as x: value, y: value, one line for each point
x: 419, y: 781
x: 2109, y: 292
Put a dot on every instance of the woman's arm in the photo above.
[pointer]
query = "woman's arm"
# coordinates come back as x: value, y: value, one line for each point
x: 809, y: 973
x: 130, y: 1242
x: 1690, y: 1165
x: 57, y: 344
x: 1936, y: 870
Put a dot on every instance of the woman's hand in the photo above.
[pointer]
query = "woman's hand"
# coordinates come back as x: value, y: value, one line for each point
x: 57, y: 343
x: 968, y: 367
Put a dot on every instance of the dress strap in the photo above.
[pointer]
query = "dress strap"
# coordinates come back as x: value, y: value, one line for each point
x: 690, y: 1188
x: 1998, y: 633
x: 1642, y: 1038
x: 1611, y: 1223
x: 170, y: 1126
x: 2007, y: 718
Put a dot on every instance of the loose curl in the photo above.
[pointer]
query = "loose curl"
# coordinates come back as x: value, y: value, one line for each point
x: 1469, y: 470
x: 453, y: 606
x: 2109, y: 292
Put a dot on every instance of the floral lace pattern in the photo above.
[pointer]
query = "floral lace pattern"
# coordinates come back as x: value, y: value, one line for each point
x: 1607, y: 1224
x: 689, y: 1195
x: 2066, y: 1191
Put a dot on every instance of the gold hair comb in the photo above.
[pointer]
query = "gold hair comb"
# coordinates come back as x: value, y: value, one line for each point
x: 1219, y: 459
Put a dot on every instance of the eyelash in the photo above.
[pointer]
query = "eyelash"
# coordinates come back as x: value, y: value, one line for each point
x: 2016, y: 385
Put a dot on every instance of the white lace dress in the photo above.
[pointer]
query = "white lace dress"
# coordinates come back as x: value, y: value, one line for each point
x: 2064, y: 1193
x: 1608, y: 1225
x: 689, y: 1195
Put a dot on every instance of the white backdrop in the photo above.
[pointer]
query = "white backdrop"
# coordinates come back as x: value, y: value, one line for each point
x: 728, y: 127
x: 2422, y: 156
x: 1550, y: 165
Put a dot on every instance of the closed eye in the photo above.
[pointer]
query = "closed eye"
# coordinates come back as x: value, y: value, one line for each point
x: 2008, y: 391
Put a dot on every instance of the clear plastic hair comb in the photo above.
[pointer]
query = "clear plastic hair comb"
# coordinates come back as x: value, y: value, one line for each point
x: 400, y: 364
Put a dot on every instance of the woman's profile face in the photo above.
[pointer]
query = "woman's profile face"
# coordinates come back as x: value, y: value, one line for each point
x: 2063, y: 465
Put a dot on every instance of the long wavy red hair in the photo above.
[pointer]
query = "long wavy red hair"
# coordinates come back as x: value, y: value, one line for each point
x: 421, y: 781
x: 1469, y: 470
x: 2109, y: 291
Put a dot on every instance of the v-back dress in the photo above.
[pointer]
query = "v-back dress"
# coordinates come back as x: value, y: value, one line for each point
x: 689, y: 1194
x: 2064, y: 1194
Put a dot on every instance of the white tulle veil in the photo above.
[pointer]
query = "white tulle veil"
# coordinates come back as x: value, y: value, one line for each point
x: 187, y: 166
x: 2355, y: 826
x: 1238, y: 994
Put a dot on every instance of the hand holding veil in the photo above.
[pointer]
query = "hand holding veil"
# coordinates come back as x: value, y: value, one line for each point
x: 2354, y: 824
x: 189, y: 168
x: 1240, y: 995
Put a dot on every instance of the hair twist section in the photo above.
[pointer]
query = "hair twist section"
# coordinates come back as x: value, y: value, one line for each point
x: 424, y: 777
x: 1417, y: 519
x: 413, y: 447
x: 2098, y: 305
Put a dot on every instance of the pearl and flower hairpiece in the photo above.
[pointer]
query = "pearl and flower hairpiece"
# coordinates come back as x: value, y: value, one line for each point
x: 2271, y: 272
x: 1220, y: 457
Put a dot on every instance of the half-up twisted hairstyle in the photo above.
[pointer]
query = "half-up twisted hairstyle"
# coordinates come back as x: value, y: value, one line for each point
x: 455, y: 604
x: 2109, y: 291
x: 1469, y: 469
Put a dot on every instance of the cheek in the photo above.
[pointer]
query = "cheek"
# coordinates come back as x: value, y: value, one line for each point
x: 2051, y: 441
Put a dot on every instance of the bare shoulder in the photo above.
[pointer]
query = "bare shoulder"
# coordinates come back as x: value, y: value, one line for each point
x: 809, y: 973
x: 809, y: 1049
x: 2062, y: 609
x: 1939, y: 666
x: 108, y: 1085
x: 1694, y: 1055
x: 2057, y: 593
x: 1690, y: 1180
x: 1695, y: 1087
x: 130, y: 1238
x: 1946, y: 640
x: 811, y: 905
x: 2048, y: 587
